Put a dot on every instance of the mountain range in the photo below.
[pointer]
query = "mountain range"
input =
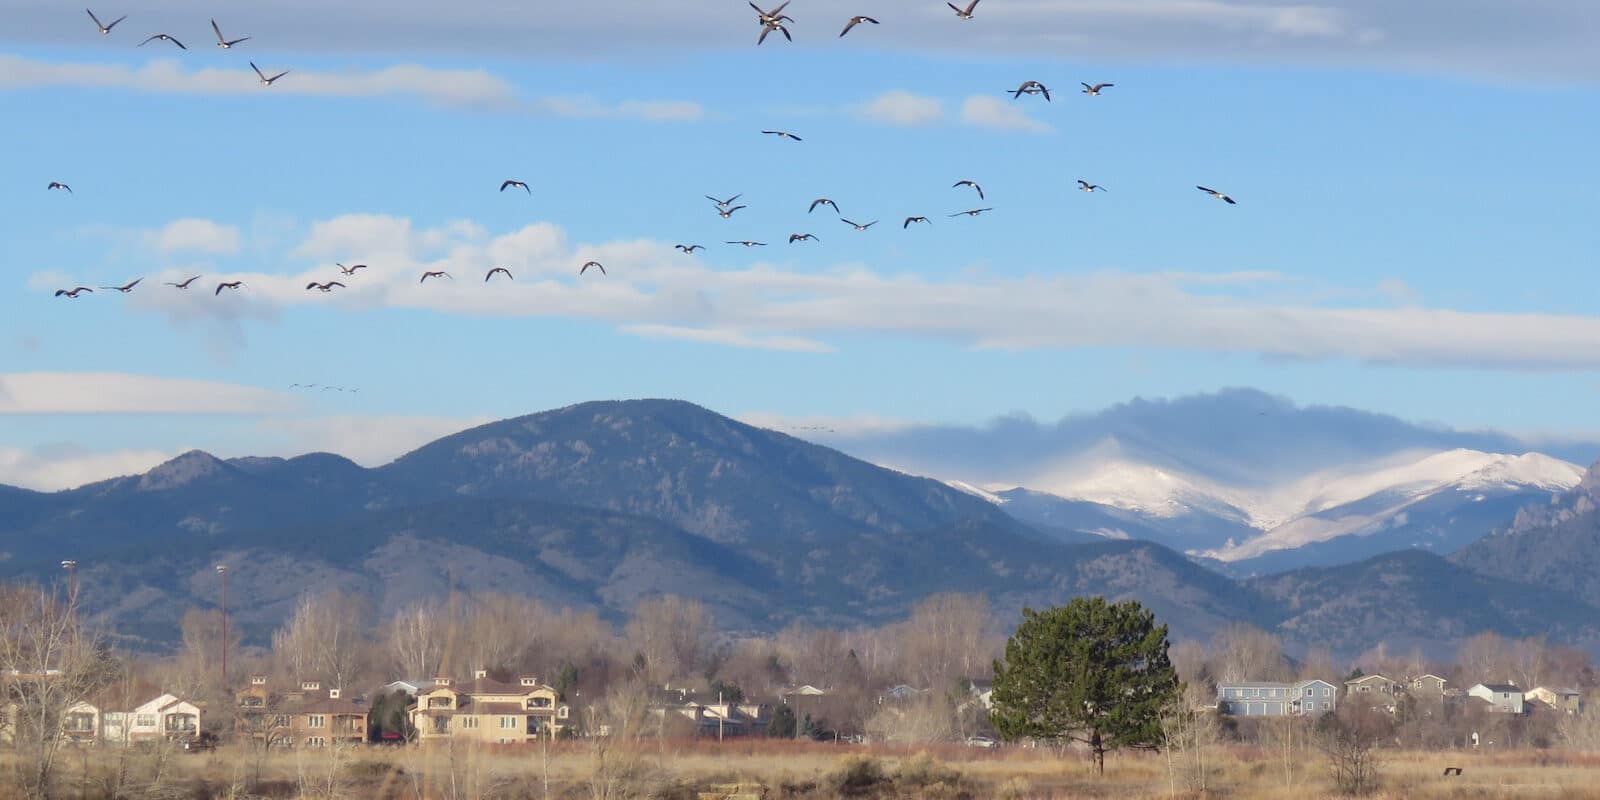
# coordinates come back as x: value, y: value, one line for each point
x: 602, y: 504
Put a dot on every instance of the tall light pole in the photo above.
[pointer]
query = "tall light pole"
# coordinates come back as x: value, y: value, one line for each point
x: 222, y: 570
x: 71, y: 567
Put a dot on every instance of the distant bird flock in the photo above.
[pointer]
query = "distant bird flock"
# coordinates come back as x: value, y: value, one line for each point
x: 770, y: 21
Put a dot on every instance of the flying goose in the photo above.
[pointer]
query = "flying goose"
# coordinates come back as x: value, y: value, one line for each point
x: 910, y: 220
x: 1085, y: 186
x: 775, y: 15
x: 58, y: 185
x: 349, y: 270
x: 262, y: 76
x: 228, y: 285
x: 857, y: 226
x: 223, y: 41
x: 324, y: 287
x: 802, y: 237
x: 689, y: 248
x: 435, y: 274
x: 165, y: 38
x: 73, y: 293
x: 1094, y: 91
x: 105, y: 29
x: 595, y: 264
x: 973, y: 213
x: 1219, y: 195
x: 963, y: 14
x: 1031, y: 87
x: 979, y: 189
x: 724, y: 203
x: 749, y: 244
x: 125, y: 288
x: 184, y: 284
x: 823, y: 201
x: 498, y: 269
x: 505, y: 184
x: 728, y: 212
x: 783, y: 135
x: 769, y: 28
x: 854, y: 21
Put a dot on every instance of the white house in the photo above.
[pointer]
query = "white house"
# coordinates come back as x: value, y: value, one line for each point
x: 1504, y: 698
x: 1263, y: 699
x: 164, y: 716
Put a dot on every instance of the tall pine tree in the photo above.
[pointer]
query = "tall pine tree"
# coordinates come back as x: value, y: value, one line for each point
x: 1089, y: 671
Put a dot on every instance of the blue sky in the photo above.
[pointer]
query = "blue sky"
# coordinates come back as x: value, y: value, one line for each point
x: 1414, y: 231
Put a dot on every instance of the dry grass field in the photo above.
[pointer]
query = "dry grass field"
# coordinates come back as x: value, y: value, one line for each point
x: 773, y: 770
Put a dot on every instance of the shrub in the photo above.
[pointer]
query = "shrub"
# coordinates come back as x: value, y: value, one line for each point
x: 855, y: 776
x: 925, y: 770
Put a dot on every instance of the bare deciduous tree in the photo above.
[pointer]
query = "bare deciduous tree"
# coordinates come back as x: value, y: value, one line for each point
x: 1247, y: 653
x: 324, y: 639
x: 414, y: 641
x: 673, y: 634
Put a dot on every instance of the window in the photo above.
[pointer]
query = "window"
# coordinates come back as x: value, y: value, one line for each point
x: 316, y: 741
x: 508, y: 723
x: 145, y: 721
x: 251, y: 701
x: 562, y: 712
x: 316, y: 721
x: 79, y: 722
x: 1326, y: 692
x: 441, y: 725
x: 469, y: 722
x: 538, y: 702
x: 1310, y: 692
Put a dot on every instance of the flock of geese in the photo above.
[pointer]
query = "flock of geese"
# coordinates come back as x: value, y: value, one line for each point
x: 770, y: 21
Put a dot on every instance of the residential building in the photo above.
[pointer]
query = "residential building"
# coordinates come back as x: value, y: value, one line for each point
x: 488, y: 711
x: 710, y: 714
x: 1376, y: 687
x: 1568, y: 701
x: 1266, y: 699
x: 1504, y: 698
x: 307, y: 717
x: 165, y: 716
x: 81, y: 723
x: 1427, y: 687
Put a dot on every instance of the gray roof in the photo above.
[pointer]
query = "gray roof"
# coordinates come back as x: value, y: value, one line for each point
x: 1501, y: 687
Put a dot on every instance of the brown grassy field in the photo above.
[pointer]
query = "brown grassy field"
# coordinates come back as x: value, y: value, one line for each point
x: 694, y: 770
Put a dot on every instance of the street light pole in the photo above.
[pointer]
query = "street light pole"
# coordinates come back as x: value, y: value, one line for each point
x: 71, y: 567
x: 222, y: 570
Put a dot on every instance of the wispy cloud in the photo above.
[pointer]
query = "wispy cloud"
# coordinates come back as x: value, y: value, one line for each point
x: 900, y: 107
x: 194, y: 236
x: 51, y: 469
x: 367, y: 440
x: 123, y: 393
x: 657, y: 292
x: 992, y: 112
x: 461, y: 88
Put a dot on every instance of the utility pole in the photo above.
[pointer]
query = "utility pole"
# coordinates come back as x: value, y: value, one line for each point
x: 222, y: 570
x: 722, y: 714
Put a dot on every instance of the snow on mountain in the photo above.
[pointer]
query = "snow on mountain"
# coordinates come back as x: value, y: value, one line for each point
x: 963, y: 486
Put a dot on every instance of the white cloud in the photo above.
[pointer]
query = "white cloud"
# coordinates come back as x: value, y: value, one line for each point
x: 367, y: 440
x: 466, y: 88
x: 1005, y: 115
x: 900, y: 107
x: 123, y: 393
x: 822, y: 425
x: 55, y: 468
x: 194, y: 236
x: 654, y: 291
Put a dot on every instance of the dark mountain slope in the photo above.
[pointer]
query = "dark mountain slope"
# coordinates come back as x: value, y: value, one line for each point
x: 1554, y: 545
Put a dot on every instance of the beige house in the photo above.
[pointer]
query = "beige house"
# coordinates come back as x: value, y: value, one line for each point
x: 488, y: 711
x: 310, y: 717
x: 166, y: 716
x: 1374, y: 688
x: 1426, y: 687
x: 81, y: 723
x: 1569, y: 701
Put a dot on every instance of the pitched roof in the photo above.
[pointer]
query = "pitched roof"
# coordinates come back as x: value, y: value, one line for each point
x: 499, y: 708
x: 321, y: 703
x: 1501, y: 687
x: 1365, y: 678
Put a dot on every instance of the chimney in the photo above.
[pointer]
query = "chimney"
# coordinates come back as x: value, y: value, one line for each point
x: 310, y: 686
x: 529, y: 680
x: 480, y: 674
x: 333, y: 694
x: 442, y: 680
x: 258, y: 680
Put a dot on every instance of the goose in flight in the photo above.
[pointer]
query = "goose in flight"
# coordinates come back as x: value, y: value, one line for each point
x: 1094, y: 91
x: 508, y: 183
x: 435, y: 274
x: 348, y: 271
x: 262, y: 76
x: 823, y: 201
x: 125, y: 288
x: 976, y: 187
x: 749, y: 244
x: 73, y: 293
x: 1085, y: 186
x: 58, y: 185
x: 324, y: 287
x: 775, y: 15
x: 857, y: 226
x: 769, y: 27
x: 184, y: 284
x: 783, y: 135
x: 227, y: 285
x: 724, y: 203
x: 105, y: 29
x: 165, y: 38
x: 498, y: 269
x: 910, y: 220
x: 802, y: 237
x: 963, y: 13
x: 689, y: 248
x: 595, y: 264
x: 973, y: 213
x: 224, y: 42
x: 1032, y: 87
x: 854, y: 21
x: 728, y: 212
x: 1219, y: 195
